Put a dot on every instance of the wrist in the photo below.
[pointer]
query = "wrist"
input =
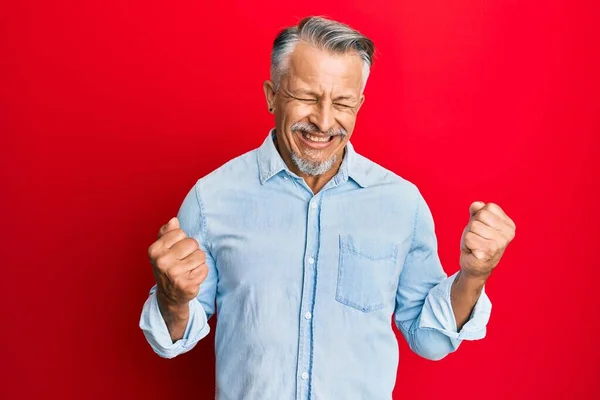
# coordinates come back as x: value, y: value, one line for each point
x: 470, y: 283
x: 172, y: 311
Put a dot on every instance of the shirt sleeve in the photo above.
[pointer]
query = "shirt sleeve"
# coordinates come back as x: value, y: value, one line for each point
x: 423, y: 312
x: 192, y: 221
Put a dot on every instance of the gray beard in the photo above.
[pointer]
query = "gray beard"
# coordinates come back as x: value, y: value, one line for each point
x: 312, y: 168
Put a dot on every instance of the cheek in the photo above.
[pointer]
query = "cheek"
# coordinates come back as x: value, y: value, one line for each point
x: 347, y: 122
x: 296, y: 113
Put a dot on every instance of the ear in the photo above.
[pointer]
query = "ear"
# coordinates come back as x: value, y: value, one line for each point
x: 361, y: 101
x: 269, y: 89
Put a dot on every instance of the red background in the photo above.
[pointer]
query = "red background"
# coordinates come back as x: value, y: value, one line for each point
x: 110, y: 112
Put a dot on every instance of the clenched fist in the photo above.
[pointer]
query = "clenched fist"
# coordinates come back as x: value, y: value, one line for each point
x: 179, y: 266
x: 484, y: 239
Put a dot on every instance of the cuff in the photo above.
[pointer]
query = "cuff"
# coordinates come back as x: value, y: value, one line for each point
x: 155, y: 329
x: 438, y: 314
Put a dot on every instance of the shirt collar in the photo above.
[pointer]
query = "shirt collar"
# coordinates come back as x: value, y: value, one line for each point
x: 270, y: 163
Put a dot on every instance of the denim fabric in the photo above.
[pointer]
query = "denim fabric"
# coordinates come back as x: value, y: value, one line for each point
x: 307, y: 287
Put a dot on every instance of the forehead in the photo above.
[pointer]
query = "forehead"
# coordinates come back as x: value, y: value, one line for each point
x: 320, y: 68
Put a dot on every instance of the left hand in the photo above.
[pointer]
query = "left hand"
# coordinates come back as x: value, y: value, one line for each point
x: 484, y: 239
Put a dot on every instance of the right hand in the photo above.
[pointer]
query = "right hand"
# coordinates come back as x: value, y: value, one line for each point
x: 179, y: 265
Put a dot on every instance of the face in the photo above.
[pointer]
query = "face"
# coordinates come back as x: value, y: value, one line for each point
x: 315, y: 107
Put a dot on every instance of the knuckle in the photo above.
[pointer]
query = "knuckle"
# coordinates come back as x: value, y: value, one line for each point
x: 200, y: 256
x: 177, y: 282
x: 193, y: 243
x: 152, y: 251
x: 195, y: 261
x: 190, y: 246
x: 496, y: 209
x: 469, y: 236
x: 163, y: 264
x: 491, y: 206
x: 172, y: 236
x: 483, y: 256
x: 179, y: 234
x: 485, y: 215
x: 169, y: 273
x: 204, y: 270
x: 511, y: 234
x: 180, y: 280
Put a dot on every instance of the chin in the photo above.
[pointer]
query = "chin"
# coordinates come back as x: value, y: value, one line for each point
x: 312, y: 167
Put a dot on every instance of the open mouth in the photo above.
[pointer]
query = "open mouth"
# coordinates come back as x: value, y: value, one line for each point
x: 316, y: 138
x: 316, y: 141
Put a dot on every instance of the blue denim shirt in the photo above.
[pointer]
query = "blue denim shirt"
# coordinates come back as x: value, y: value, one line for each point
x: 307, y: 286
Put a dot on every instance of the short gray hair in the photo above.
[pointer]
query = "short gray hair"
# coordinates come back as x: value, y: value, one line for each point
x: 324, y: 34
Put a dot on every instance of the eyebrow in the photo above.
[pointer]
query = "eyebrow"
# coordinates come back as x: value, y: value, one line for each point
x: 346, y: 97
x: 305, y: 92
x: 311, y: 93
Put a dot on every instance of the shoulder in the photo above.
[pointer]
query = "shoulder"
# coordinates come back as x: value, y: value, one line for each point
x: 376, y: 176
x: 242, y: 169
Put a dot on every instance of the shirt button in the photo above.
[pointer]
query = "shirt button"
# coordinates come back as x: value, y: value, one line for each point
x: 311, y: 260
x: 313, y: 206
x: 304, y: 375
x: 285, y: 177
x: 308, y: 315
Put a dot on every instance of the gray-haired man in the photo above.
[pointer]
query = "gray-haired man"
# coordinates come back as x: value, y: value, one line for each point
x: 308, y: 248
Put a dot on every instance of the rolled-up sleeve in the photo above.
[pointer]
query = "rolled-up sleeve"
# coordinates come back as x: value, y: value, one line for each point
x: 157, y: 334
x: 423, y: 310
x: 437, y: 313
x: 191, y: 220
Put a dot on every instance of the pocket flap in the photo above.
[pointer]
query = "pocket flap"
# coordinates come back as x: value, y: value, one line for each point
x: 369, y: 247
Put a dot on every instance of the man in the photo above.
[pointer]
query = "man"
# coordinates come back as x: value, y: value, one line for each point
x: 308, y: 248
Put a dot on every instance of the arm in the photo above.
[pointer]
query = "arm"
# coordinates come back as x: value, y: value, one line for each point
x: 172, y: 329
x: 464, y: 294
x: 424, y: 312
x: 176, y: 316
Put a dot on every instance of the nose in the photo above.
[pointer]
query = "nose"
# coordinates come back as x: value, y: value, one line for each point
x: 323, y: 116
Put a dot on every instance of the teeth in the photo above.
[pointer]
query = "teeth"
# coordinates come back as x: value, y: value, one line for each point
x: 316, y: 138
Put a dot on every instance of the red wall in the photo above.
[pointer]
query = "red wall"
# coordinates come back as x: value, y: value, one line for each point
x: 109, y: 112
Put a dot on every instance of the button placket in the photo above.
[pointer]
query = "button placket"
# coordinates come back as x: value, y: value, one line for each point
x: 308, y: 288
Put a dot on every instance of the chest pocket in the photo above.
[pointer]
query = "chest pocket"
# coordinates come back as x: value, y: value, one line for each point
x: 367, y: 272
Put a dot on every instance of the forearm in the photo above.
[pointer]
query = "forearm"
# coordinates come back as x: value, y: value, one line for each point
x: 464, y: 294
x: 176, y: 317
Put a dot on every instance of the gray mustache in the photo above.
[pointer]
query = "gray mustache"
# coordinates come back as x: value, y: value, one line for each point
x: 312, y: 128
